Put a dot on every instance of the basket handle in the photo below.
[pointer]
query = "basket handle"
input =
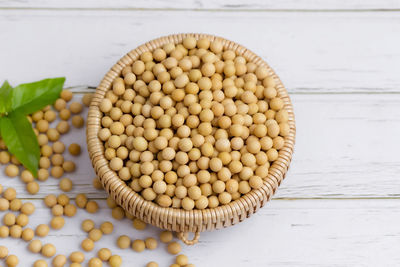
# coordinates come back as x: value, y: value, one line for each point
x: 184, y: 235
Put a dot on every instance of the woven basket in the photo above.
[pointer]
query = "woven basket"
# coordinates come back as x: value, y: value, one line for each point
x: 179, y: 220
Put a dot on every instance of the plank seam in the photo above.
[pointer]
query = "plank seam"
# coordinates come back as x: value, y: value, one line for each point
x: 228, y: 9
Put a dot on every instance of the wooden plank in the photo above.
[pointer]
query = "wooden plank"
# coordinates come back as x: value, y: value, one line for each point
x: 346, y: 147
x: 312, y: 52
x: 265, y: 5
x: 285, y: 233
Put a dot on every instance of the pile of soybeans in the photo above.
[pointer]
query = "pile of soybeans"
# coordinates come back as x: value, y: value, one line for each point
x: 193, y: 125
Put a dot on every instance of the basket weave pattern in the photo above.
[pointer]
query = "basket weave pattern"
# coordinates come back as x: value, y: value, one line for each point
x: 180, y: 220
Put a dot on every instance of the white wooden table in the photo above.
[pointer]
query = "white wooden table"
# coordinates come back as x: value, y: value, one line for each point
x: 340, y: 60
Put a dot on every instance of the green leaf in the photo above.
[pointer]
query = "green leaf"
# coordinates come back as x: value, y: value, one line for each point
x: 30, y: 97
x: 5, y: 99
x: 21, y: 141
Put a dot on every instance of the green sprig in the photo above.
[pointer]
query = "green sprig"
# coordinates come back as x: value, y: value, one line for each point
x: 15, y: 129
